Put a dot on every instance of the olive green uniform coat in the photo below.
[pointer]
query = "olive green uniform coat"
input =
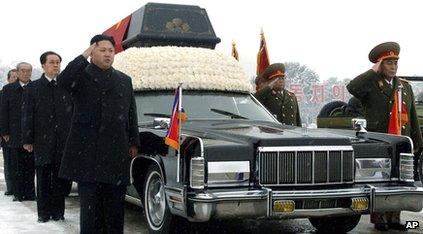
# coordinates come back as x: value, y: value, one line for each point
x: 283, y: 105
x: 377, y: 97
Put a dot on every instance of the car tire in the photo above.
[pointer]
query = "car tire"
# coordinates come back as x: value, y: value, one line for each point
x: 329, y: 108
x: 341, y: 224
x: 156, y: 211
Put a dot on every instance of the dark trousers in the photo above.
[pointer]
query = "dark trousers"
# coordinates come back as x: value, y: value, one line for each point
x: 25, y: 173
x: 9, y: 169
x: 102, y: 207
x: 50, y: 191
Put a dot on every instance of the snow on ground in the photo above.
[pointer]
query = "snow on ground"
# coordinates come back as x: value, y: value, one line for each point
x: 21, y: 217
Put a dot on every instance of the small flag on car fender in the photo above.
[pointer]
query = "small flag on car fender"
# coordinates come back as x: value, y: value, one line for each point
x: 178, y: 116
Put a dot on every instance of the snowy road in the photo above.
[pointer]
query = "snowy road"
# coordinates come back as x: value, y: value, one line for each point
x: 21, y: 217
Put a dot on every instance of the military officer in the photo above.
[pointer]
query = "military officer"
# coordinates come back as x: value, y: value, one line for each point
x: 376, y: 89
x: 273, y: 95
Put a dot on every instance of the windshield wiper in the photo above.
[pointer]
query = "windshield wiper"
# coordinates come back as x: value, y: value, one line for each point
x: 157, y: 115
x: 227, y: 113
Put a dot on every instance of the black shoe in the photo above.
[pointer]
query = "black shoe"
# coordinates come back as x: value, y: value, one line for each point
x: 57, y: 218
x: 397, y: 226
x: 8, y: 193
x: 42, y: 219
x: 383, y: 227
x: 15, y: 198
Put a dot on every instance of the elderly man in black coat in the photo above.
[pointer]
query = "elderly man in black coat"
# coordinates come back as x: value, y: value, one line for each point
x: 9, y: 165
x: 103, y: 136
x: 11, y: 131
x: 46, y: 116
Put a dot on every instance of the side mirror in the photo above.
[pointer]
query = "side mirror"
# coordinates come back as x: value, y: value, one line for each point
x: 161, y: 123
x: 359, y: 124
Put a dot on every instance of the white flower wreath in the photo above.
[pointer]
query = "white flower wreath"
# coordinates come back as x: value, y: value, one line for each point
x: 163, y: 68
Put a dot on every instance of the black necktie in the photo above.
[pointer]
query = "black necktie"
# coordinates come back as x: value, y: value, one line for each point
x: 53, y: 82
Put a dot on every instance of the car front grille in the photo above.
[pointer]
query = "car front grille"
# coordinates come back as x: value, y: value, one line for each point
x: 305, y: 165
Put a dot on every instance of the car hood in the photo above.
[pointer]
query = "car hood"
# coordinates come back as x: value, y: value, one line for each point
x: 264, y: 133
x: 239, y: 139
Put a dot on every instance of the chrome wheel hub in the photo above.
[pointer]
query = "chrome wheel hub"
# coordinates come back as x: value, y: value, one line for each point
x: 155, y: 199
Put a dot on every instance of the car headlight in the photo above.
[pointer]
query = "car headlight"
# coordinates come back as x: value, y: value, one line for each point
x: 228, y: 173
x: 197, y: 173
x: 372, y: 169
x: 406, y: 167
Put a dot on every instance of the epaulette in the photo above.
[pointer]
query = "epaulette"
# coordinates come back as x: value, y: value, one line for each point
x: 403, y: 80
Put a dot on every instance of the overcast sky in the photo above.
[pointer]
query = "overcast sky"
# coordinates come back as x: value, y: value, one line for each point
x: 332, y: 37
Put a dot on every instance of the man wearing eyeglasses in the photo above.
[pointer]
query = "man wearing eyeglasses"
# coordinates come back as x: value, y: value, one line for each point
x: 280, y: 102
x: 11, y: 131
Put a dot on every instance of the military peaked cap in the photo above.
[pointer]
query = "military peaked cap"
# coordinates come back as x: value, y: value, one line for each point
x: 384, y: 51
x: 273, y: 71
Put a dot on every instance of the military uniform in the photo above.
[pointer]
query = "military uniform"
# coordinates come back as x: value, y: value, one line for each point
x: 282, y: 104
x: 377, y: 98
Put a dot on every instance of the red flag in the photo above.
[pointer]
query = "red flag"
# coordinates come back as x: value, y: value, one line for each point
x: 178, y: 115
x: 394, y: 126
x: 118, y: 32
x: 235, y: 51
x: 262, y: 55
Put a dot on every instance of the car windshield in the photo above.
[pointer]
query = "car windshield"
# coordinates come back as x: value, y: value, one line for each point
x: 201, y: 105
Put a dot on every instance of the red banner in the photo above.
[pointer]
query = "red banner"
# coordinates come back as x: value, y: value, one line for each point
x: 235, y: 51
x: 118, y: 31
x: 262, y: 56
x: 394, y: 126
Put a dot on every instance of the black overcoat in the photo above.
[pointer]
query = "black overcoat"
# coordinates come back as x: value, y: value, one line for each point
x: 46, y: 117
x: 11, y: 113
x: 104, y: 124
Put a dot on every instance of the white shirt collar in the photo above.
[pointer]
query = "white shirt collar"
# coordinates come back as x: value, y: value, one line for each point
x: 22, y: 83
x: 389, y: 82
x: 49, y: 79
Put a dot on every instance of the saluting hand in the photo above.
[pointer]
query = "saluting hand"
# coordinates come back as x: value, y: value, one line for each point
x: 133, y: 151
x: 376, y: 66
x: 272, y: 83
x: 28, y: 147
x: 88, y: 51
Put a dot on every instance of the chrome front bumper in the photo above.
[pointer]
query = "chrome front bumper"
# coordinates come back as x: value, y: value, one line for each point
x: 259, y: 203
